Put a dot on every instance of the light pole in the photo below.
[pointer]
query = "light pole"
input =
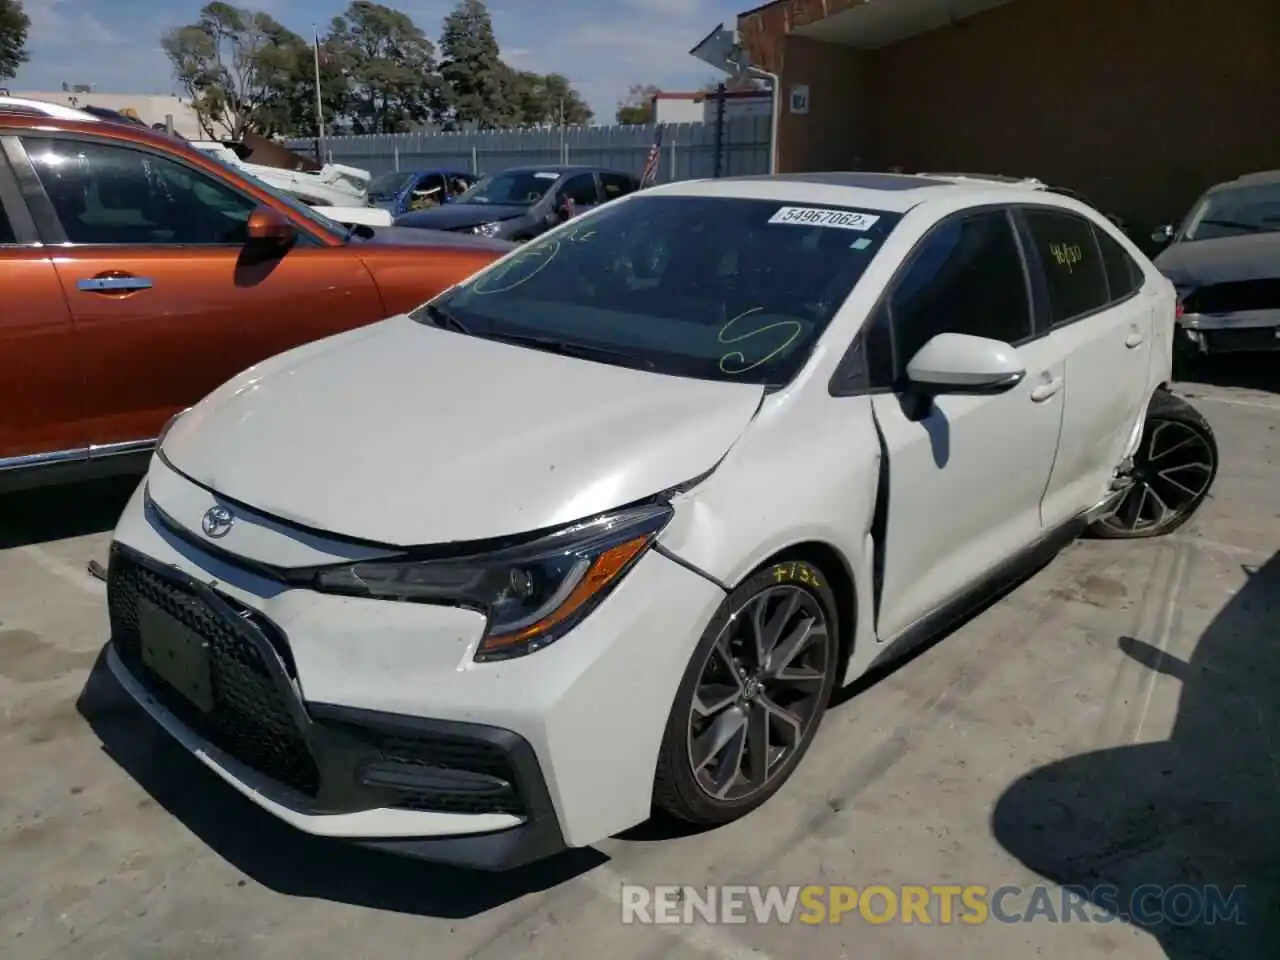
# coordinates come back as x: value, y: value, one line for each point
x: 319, y: 107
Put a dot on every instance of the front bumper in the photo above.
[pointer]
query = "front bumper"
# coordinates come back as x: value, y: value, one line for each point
x: 1244, y: 331
x: 369, y: 721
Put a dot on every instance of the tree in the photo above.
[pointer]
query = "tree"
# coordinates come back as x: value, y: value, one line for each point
x: 14, y: 24
x: 477, y: 84
x: 234, y: 63
x: 637, y: 108
x: 297, y: 101
x: 390, y: 66
x: 544, y: 100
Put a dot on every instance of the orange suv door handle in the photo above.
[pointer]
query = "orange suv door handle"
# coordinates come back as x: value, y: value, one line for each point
x: 114, y: 284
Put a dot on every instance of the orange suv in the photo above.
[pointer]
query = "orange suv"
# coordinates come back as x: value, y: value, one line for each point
x: 137, y: 274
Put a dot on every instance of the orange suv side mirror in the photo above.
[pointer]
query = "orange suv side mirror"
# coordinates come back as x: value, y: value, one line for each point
x: 270, y: 226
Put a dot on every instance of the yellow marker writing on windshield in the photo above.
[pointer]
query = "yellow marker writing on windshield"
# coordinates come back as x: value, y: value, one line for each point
x: 735, y: 361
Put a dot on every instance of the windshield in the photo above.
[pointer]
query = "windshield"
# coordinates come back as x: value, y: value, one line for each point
x: 1233, y: 212
x: 708, y: 287
x: 308, y: 213
x: 389, y: 185
x: 517, y: 187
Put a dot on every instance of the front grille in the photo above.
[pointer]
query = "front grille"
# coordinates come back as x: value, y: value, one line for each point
x: 1243, y: 339
x: 1235, y: 297
x: 250, y: 719
x: 440, y: 751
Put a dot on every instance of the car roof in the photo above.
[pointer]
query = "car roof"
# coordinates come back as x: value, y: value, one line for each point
x: 1258, y: 179
x: 889, y: 192
x: 77, y: 121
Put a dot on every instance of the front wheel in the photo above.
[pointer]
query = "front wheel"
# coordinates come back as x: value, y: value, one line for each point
x: 752, y: 697
x: 1176, y: 463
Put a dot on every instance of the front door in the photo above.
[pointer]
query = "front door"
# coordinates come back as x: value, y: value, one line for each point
x: 1101, y: 327
x: 168, y: 299
x: 965, y: 476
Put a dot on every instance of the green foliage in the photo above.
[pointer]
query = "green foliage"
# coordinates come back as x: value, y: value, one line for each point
x: 637, y: 108
x: 14, y: 24
x: 378, y: 73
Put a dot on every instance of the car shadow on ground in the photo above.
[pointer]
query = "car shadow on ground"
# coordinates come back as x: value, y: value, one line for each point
x: 284, y: 859
x: 58, y: 512
x: 1200, y: 808
x: 1252, y: 371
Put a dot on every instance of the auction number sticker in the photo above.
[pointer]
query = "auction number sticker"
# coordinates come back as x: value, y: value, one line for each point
x: 822, y: 217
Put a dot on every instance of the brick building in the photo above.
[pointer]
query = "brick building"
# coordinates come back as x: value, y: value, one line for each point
x: 1138, y: 104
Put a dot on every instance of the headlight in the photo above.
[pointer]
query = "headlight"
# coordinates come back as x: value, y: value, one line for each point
x: 533, y: 594
x: 488, y: 229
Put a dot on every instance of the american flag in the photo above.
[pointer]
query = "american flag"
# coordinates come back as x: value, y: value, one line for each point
x: 650, y: 175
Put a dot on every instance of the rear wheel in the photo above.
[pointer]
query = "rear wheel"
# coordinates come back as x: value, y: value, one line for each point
x: 752, y: 696
x: 1176, y: 463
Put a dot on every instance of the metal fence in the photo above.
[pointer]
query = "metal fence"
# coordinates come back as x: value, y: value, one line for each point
x: 689, y: 150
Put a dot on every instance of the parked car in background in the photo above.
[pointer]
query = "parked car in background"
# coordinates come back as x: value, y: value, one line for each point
x: 1224, y: 261
x: 137, y: 274
x: 404, y: 191
x: 602, y: 527
x: 525, y: 202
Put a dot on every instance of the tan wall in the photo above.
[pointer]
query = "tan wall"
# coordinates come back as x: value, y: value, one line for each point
x: 831, y: 136
x: 1139, y: 104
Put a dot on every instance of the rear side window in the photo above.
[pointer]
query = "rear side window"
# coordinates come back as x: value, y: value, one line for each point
x: 1073, y: 268
x: 1123, y: 275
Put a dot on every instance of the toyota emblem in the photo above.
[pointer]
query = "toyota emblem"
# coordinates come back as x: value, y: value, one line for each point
x: 217, y: 522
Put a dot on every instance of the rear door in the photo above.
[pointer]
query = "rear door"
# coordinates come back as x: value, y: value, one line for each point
x: 1101, y: 326
x: 41, y: 395
x: 167, y: 297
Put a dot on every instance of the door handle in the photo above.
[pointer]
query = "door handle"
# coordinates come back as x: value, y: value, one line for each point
x: 114, y: 284
x: 1046, y: 390
x: 1134, y: 339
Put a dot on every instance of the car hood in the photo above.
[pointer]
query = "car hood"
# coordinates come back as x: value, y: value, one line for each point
x: 455, y: 216
x: 1224, y: 260
x: 405, y: 434
x: 409, y: 237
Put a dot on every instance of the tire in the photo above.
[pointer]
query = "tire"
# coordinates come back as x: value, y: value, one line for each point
x: 692, y: 792
x: 1176, y: 464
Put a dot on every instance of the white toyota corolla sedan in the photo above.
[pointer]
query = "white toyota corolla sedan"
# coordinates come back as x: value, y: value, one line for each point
x: 601, y: 528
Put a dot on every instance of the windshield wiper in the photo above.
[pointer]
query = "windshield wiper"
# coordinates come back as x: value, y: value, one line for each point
x: 570, y: 348
x: 444, y: 319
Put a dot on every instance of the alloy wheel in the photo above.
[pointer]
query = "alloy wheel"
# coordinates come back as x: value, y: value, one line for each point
x: 1172, y: 471
x: 759, y: 693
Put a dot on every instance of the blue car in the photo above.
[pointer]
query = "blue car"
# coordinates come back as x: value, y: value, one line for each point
x: 405, y: 191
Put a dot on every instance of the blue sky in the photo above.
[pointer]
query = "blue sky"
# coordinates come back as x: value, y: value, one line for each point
x: 604, y: 47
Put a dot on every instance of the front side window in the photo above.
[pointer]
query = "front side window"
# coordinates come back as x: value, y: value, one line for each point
x: 581, y: 190
x: 1071, y: 261
x: 967, y: 277
x: 105, y: 194
x: 1234, y: 212
x: 711, y: 287
x: 516, y: 187
x: 389, y: 186
x: 429, y: 191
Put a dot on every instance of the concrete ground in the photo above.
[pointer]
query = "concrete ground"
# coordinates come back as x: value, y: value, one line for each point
x: 1112, y: 721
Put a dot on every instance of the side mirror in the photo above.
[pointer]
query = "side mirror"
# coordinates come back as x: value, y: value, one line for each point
x: 1162, y: 234
x: 270, y: 226
x: 961, y: 363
